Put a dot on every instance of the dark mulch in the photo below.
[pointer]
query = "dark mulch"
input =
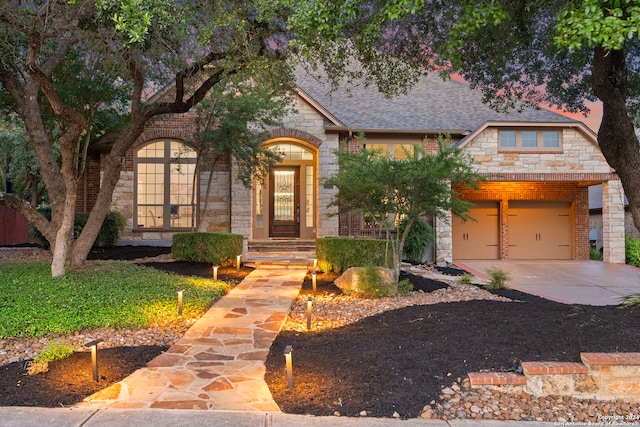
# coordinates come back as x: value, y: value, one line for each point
x: 394, y: 361
x: 70, y: 380
x: 398, y: 361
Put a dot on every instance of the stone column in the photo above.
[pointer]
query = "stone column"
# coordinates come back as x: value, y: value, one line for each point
x: 613, y: 221
x: 444, y: 240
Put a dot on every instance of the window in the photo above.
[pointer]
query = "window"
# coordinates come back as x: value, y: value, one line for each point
x: 530, y: 139
x: 394, y: 151
x: 164, y: 185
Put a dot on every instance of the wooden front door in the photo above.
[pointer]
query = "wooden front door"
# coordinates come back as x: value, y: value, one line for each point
x: 284, y: 202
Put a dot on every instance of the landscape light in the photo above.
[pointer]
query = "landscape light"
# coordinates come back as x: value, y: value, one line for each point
x: 315, y: 264
x: 289, y: 362
x: 238, y: 258
x: 314, y: 281
x: 180, y: 293
x: 309, y: 309
x: 94, y: 356
x: 215, y: 272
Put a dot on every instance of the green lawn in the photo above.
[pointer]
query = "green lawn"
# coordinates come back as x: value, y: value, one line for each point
x: 104, y: 294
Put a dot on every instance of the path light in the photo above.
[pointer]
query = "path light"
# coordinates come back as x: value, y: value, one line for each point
x: 309, y: 309
x: 215, y: 272
x: 180, y: 294
x: 289, y: 362
x: 315, y: 264
x: 238, y: 258
x: 94, y: 356
x: 314, y: 281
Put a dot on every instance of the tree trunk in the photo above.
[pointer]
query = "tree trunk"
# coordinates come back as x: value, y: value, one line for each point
x: 616, y: 137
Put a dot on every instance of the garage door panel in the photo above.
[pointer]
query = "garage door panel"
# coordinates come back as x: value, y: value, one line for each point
x: 540, y: 230
x: 478, y: 239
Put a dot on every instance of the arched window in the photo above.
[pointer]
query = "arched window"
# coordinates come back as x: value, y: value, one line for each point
x: 164, y: 185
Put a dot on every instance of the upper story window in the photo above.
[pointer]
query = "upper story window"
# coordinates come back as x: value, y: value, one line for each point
x: 164, y: 185
x: 530, y: 139
x: 393, y: 151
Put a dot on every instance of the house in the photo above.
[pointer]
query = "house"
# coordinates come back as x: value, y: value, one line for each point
x: 533, y: 205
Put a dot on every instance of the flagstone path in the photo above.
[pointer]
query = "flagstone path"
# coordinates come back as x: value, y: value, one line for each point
x: 219, y: 363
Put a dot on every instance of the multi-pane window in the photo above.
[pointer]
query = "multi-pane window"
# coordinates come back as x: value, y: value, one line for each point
x: 530, y: 139
x: 164, y: 185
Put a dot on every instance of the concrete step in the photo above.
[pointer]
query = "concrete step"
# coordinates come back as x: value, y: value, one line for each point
x: 282, y: 245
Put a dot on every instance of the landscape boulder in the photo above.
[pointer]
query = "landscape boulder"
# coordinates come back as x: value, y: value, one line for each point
x: 348, y: 281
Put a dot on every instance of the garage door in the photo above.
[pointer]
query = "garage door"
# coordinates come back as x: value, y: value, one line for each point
x: 478, y: 239
x: 540, y: 230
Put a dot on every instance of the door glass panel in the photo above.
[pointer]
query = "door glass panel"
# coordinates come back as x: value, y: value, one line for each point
x: 309, y: 196
x: 283, y: 197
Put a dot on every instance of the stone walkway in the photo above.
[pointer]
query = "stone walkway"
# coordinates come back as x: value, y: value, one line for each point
x: 219, y: 363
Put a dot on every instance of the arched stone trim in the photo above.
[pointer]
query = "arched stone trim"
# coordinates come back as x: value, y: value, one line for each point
x: 155, y: 134
x: 296, y: 133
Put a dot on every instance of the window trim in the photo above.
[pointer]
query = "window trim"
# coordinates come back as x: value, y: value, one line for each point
x: 167, y: 161
x: 540, y: 148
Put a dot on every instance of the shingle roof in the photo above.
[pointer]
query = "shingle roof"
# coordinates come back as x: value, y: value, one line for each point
x: 432, y: 104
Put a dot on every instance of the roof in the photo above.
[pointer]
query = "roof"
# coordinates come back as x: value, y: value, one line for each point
x: 431, y: 104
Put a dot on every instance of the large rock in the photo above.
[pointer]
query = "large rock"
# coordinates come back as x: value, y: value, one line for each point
x: 348, y: 281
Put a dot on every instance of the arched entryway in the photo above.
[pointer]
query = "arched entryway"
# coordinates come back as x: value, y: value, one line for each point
x: 285, y: 204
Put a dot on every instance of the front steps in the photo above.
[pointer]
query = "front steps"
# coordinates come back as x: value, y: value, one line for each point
x: 281, y: 253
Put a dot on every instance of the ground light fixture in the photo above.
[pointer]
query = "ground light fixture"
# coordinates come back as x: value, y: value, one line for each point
x: 180, y: 295
x: 238, y: 260
x: 314, y: 282
x: 288, y: 358
x: 315, y: 264
x: 309, y: 310
x: 93, y: 345
x: 215, y: 272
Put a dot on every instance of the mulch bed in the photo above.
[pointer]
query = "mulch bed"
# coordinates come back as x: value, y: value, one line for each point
x: 396, y: 361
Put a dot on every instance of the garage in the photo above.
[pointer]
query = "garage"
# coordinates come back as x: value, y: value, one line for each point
x: 539, y: 230
x: 478, y: 239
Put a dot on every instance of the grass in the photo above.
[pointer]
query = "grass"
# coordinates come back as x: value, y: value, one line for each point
x: 104, y: 294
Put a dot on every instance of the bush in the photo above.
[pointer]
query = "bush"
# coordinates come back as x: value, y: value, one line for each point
x: 632, y: 250
x: 418, y: 240
x: 213, y: 248
x: 498, y: 279
x: 339, y: 253
x: 404, y: 287
x: 54, y: 350
x: 371, y: 285
x: 108, y: 236
x: 465, y: 279
x: 594, y: 254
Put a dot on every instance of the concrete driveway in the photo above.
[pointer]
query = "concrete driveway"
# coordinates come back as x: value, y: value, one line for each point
x: 569, y: 282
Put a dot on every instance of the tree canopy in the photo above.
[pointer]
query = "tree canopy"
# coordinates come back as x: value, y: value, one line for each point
x: 557, y: 53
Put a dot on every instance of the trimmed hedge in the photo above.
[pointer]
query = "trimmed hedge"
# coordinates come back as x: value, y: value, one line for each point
x: 214, y: 248
x: 339, y: 253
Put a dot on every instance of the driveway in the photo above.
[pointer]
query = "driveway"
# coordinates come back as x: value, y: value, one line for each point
x: 569, y: 282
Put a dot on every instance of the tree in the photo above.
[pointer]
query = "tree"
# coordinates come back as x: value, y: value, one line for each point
x: 232, y: 122
x: 559, y: 53
x: 395, y: 190
x: 60, y: 61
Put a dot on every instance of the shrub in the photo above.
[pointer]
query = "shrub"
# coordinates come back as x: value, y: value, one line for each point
x: 594, y: 254
x: 371, y: 285
x: 214, y: 248
x: 418, y: 240
x: 632, y: 250
x: 498, y: 278
x: 108, y: 235
x: 630, y: 300
x: 339, y: 253
x: 465, y: 279
x: 54, y: 350
x: 404, y: 287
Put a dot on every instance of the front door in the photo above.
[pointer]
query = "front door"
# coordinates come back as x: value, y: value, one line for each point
x: 284, y: 202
